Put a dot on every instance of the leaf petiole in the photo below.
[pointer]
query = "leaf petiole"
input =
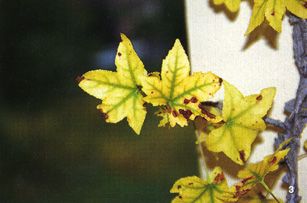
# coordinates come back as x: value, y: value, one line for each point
x: 202, y: 157
x: 269, y: 190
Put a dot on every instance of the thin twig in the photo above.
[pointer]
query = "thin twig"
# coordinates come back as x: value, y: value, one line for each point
x: 276, y: 123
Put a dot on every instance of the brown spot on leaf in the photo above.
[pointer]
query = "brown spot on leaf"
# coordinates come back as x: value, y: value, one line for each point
x: 220, y: 81
x: 179, y: 187
x: 259, y: 97
x: 210, y: 115
x: 273, y: 161
x: 191, y: 183
x: 219, y: 178
x: 104, y: 115
x: 305, y: 5
x: 186, y: 114
x: 273, y: 13
x: 242, y: 155
x: 241, y: 193
x: 180, y: 197
x: 245, y: 180
x: 204, y: 111
x: 119, y: 54
x: 175, y: 114
x: 151, y: 92
x: 186, y: 101
x: 79, y: 79
x: 194, y: 100
x: 144, y: 104
x: 169, y: 109
x: 166, y: 71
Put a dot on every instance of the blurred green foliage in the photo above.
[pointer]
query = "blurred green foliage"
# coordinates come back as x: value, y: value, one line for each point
x: 54, y: 146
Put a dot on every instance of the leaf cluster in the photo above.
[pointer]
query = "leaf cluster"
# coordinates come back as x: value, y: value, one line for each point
x: 179, y: 94
x: 181, y: 97
x: 215, y: 188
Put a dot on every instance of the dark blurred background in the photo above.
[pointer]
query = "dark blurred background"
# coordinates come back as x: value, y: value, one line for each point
x: 54, y: 146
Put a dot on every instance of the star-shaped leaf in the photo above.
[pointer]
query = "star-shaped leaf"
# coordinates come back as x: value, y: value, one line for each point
x: 180, y: 93
x: 242, y: 120
x: 119, y: 91
x: 255, y: 174
x: 272, y: 10
x: 194, y: 189
x: 297, y: 7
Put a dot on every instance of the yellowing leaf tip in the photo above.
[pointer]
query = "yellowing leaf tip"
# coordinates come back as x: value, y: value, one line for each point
x: 123, y: 36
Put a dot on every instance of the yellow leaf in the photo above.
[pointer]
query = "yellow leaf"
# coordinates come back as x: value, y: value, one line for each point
x: 119, y: 91
x: 257, y: 15
x: 297, y: 7
x: 179, y: 92
x: 255, y: 174
x: 274, y: 12
x: 242, y: 120
x: 232, y: 5
x: 194, y: 189
x: 305, y: 145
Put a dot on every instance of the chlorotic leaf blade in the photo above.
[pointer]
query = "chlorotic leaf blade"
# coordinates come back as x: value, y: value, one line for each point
x: 119, y: 91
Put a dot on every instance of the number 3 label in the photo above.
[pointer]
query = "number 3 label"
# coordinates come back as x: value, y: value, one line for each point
x: 291, y: 189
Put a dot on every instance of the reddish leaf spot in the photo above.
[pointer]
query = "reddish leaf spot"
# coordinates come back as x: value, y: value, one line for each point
x: 144, y: 104
x: 245, y: 180
x: 188, y: 122
x: 169, y: 109
x: 175, y: 114
x: 241, y: 193
x: 186, y: 114
x: 259, y: 97
x: 273, y: 13
x: 179, y: 187
x: 166, y: 71
x: 79, y: 79
x: 119, y: 54
x: 242, y: 155
x: 104, y: 115
x: 273, y: 161
x: 194, y: 100
x: 186, y: 101
x: 219, y: 178
x: 220, y: 81
x: 204, y: 111
x: 151, y: 92
x: 180, y: 197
